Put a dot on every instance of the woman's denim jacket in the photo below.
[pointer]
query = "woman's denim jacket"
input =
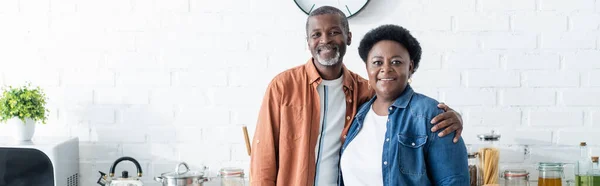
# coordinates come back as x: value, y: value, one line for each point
x: 412, y: 154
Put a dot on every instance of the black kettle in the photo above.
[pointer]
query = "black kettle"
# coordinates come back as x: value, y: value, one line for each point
x: 124, y: 180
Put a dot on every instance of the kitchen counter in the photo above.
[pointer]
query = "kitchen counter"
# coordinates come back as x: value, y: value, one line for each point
x: 217, y: 182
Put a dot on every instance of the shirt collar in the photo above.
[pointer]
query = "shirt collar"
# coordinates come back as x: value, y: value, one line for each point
x: 404, y: 99
x: 314, y: 77
x: 400, y: 102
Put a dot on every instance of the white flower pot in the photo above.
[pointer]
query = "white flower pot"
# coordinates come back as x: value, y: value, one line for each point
x: 21, y: 131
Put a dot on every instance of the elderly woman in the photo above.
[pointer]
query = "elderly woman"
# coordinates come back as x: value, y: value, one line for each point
x: 390, y: 141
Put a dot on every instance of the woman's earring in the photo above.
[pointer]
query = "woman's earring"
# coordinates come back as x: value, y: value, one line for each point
x: 409, y: 80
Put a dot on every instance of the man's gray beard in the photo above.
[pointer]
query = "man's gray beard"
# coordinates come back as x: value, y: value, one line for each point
x: 332, y: 61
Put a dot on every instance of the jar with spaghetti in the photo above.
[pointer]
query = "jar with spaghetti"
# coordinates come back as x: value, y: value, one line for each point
x: 551, y: 174
x: 489, y: 157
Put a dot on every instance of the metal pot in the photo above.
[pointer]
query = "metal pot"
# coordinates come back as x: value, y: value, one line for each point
x: 185, y: 178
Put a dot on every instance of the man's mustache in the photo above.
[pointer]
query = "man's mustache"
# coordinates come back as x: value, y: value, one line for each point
x: 327, y: 47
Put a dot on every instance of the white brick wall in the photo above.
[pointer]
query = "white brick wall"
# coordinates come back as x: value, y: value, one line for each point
x: 492, y: 78
x: 545, y: 61
x: 470, y: 97
x: 478, y: 22
x: 539, y: 22
x: 551, y: 79
x: 528, y: 97
x: 559, y: 5
x: 510, y: 5
x: 164, y: 80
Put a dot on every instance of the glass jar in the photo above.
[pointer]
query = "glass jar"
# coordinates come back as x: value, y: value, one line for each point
x: 551, y: 174
x: 516, y: 177
x: 474, y: 169
x: 231, y: 176
x: 489, y: 157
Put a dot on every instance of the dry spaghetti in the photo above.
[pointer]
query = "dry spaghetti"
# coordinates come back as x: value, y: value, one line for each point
x: 489, y: 162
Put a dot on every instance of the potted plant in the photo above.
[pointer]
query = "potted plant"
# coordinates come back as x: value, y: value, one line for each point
x: 21, y: 108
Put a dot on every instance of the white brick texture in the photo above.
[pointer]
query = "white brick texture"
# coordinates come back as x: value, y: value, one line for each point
x: 567, y: 6
x: 528, y: 97
x: 427, y: 77
x: 508, y: 41
x: 551, y: 79
x: 583, y: 97
x: 472, y: 61
x: 582, y: 60
x: 164, y: 81
x: 596, y: 118
x: 510, y: 5
x: 492, y: 78
x: 471, y: 97
x: 494, y: 117
x: 477, y: 22
x: 585, y: 21
x: 532, y: 61
x: 539, y: 22
x: 568, y: 40
x: 555, y: 118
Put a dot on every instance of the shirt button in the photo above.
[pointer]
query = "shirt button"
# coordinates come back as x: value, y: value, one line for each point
x: 387, y: 139
x: 388, y: 120
x: 385, y: 162
x: 390, y: 108
x: 413, y: 144
x: 348, y: 117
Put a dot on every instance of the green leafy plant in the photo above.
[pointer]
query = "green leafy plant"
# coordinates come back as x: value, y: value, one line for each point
x: 23, y: 102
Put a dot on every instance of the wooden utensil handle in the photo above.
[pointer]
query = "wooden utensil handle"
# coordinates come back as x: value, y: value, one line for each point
x: 247, y: 139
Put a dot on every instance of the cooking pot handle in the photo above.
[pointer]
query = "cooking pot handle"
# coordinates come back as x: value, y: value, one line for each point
x: 114, y: 165
x: 187, y: 168
x: 158, y: 179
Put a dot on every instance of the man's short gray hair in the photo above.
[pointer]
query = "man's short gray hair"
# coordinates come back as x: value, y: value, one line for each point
x: 332, y: 11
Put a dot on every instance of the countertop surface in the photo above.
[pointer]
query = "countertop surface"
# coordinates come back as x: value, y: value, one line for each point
x: 217, y: 182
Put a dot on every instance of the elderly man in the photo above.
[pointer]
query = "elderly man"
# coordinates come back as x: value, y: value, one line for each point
x: 307, y: 111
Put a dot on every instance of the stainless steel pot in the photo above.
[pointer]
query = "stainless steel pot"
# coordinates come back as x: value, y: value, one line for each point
x: 185, y: 178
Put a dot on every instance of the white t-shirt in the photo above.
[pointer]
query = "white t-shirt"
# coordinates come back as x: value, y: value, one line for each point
x: 361, y: 161
x: 333, y: 114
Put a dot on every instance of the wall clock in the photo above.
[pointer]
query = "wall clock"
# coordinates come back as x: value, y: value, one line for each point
x: 349, y: 7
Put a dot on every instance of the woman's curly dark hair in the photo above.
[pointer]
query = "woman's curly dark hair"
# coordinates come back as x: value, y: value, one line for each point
x: 394, y: 33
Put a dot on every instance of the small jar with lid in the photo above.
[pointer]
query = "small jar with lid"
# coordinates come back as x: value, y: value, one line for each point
x: 474, y: 169
x: 516, y: 177
x: 232, y: 176
x: 551, y: 174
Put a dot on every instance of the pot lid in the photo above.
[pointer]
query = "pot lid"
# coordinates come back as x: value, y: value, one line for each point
x: 489, y: 137
x: 187, y: 173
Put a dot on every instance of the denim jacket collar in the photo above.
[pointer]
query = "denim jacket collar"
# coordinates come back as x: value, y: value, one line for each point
x: 400, y: 102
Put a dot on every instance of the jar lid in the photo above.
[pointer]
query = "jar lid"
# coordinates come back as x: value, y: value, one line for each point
x: 231, y: 171
x: 583, y: 144
x: 511, y: 173
x: 550, y: 166
x: 472, y: 155
x: 594, y: 159
x: 489, y: 137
